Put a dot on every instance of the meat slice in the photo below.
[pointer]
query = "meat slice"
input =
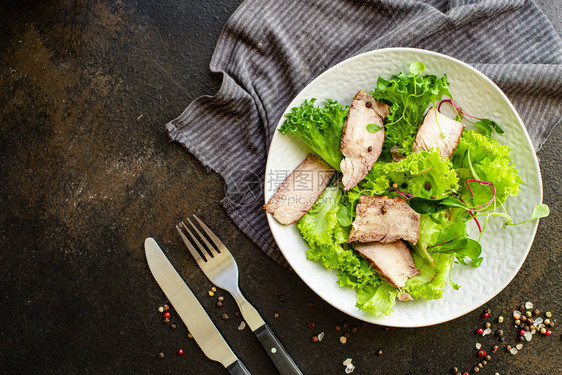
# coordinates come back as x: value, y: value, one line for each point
x: 431, y: 132
x: 300, y: 190
x: 385, y: 220
x: 361, y: 148
x: 392, y: 261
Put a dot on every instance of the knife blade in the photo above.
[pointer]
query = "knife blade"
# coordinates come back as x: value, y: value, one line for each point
x: 190, y: 310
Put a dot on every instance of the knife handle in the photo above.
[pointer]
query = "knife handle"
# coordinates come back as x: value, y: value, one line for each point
x: 238, y: 368
x: 284, y: 363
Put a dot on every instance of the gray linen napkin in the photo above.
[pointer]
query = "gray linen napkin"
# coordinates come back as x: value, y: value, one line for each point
x: 269, y: 50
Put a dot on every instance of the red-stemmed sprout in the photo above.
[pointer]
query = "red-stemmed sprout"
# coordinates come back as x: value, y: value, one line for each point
x: 458, y: 110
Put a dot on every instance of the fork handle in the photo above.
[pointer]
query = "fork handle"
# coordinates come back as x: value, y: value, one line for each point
x: 282, y: 360
x: 238, y: 368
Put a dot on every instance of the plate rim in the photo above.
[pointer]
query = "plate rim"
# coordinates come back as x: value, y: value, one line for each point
x: 271, y: 220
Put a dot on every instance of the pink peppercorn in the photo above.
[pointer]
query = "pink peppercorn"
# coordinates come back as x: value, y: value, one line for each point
x: 548, y: 333
x: 180, y: 351
x: 482, y: 353
x: 480, y: 331
x: 166, y: 314
x: 522, y: 332
x: 485, y: 315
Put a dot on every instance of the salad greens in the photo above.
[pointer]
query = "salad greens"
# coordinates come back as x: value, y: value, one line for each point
x: 448, y: 193
x: 408, y: 96
x: 321, y: 128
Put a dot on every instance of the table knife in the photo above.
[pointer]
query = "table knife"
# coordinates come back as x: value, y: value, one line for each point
x: 190, y: 310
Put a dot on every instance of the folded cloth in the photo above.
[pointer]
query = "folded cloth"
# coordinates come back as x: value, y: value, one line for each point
x: 268, y: 51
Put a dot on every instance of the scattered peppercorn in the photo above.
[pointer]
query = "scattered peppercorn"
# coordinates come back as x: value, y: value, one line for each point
x: 499, y: 332
x: 500, y: 319
x: 476, y: 369
x: 275, y: 315
x: 160, y: 309
x: 310, y: 304
x: 370, y: 149
x: 166, y: 307
x: 479, y: 331
x: 344, y: 324
x: 432, y: 197
x: 548, y: 332
x: 547, y: 321
x: 488, y: 357
x: 368, y: 104
x: 220, y: 299
x: 314, y: 339
x: 213, y: 289
x: 237, y: 314
x: 521, y: 338
x: 395, y: 185
x: 354, y: 329
x: 173, y: 326
x: 552, y: 324
x: 189, y: 335
x: 488, y: 311
x: 521, y: 308
x: 543, y: 331
x: 517, y: 322
x: 343, y: 339
x: 508, y: 348
x: 211, y: 293
x: 521, y: 332
x: 528, y: 314
x: 484, y: 362
x: 282, y: 298
x: 427, y: 186
x: 482, y: 353
x: 495, y: 348
x: 337, y: 327
x: 166, y: 315
x: 455, y: 370
x: 485, y: 315
x: 180, y: 351
x: 548, y: 314
x: 523, y: 318
x: 219, y: 304
x: 364, y: 324
x: 160, y: 355
x: 379, y: 352
x: 502, y: 339
x: 526, y: 328
x: 225, y: 316
x: 311, y: 325
x: 487, y: 325
x: 536, y: 311
x: 166, y: 320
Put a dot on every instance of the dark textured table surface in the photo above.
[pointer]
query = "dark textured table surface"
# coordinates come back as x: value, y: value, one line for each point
x: 87, y: 172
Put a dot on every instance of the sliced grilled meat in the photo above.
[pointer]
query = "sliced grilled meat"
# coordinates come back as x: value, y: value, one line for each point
x: 300, y: 190
x: 438, y: 131
x: 361, y: 148
x: 392, y: 261
x: 384, y: 219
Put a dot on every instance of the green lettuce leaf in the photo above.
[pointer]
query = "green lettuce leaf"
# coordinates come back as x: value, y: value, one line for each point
x: 431, y: 282
x: 320, y: 128
x: 378, y: 300
x: 317, y: 226
x: 483, y: 158
x: 408, y: 96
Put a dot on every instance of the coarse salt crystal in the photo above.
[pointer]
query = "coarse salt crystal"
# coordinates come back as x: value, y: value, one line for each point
x: 529, y: 305
x: 513, y: 351
x: 541, y: 326
x: 349, y: 368
x: 517, y: 314
x: 528, y: 336
x: 347, y: 362
x: 478, y: 345
x: 242, y: 325
x: 487, y: 331
x: 519, y: 346
x: 320, y: 336
x: 538, y: 321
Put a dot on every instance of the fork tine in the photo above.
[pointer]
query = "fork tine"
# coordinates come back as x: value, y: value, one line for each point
x: 212, y: 236
x: 209, y: 246
x: 200, y: 261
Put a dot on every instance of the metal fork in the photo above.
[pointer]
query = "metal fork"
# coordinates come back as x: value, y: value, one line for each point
x: 219, y: 266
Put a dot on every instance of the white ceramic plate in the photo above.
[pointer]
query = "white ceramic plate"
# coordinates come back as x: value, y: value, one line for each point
x: 504, y: 250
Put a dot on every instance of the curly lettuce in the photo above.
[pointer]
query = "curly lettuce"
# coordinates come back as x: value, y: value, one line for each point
x: 321, y: 128
x: 408, y: 96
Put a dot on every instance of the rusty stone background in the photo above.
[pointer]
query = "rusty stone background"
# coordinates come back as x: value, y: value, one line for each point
x: 87, y: 172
